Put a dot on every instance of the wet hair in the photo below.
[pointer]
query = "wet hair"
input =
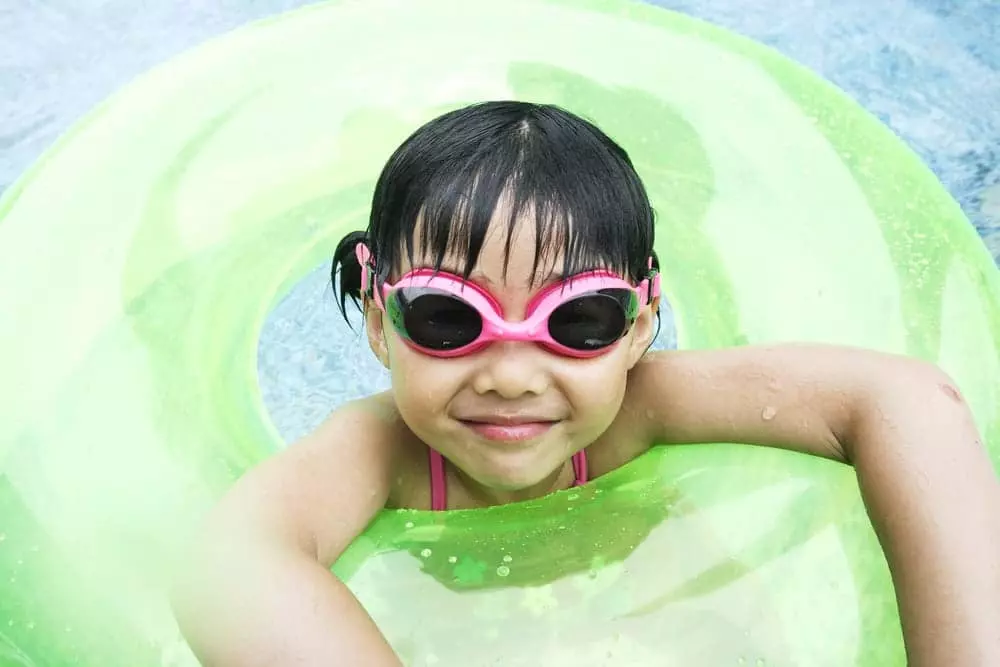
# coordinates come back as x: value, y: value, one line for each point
x: 589, y: 204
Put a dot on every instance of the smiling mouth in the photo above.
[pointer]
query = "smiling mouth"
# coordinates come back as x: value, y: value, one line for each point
x: 508, y: 429
x: 508, y: 420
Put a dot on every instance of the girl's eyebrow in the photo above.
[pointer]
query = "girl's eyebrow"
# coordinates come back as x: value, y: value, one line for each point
x: 481, y: 278
x: 551, y: 278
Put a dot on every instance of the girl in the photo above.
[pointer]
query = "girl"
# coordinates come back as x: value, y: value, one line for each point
x: 508, y: 283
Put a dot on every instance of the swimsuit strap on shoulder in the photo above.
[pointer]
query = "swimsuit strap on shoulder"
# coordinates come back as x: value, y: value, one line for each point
x: 439, y: 484
x: 580, y: 467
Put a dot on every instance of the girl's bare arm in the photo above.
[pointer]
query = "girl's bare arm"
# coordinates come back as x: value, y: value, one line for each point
x: 927, y: 481
x: 255, y: 589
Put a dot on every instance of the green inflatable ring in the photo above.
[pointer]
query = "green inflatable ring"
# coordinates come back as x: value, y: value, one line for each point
x: 139, y: 259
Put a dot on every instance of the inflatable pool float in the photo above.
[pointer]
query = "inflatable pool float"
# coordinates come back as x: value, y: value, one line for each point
x: 141, y: 255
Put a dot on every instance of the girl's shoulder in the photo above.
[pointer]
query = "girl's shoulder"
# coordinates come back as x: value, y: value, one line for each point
x: 376, y: 420
x: 321, y: 491
x: 658, y: 378
x: 629, y: 435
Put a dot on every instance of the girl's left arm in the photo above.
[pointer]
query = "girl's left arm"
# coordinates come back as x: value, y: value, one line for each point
x: 925, y: 475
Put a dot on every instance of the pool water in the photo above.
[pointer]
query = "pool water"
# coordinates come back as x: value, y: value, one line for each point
x: 930, y: 69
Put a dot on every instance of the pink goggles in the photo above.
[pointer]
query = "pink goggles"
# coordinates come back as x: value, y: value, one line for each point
x: 443, y: 315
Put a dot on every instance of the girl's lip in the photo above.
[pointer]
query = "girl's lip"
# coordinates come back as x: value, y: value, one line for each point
x: 508, y: 431
x: 506, y: 420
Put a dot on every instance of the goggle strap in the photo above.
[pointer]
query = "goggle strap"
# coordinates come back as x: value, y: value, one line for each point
x: 653, y: 280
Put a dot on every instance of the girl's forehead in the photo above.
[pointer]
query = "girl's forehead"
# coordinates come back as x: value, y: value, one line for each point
x: 511, y: 261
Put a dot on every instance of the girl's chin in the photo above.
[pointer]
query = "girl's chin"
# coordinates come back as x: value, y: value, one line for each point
x: 516, y: 471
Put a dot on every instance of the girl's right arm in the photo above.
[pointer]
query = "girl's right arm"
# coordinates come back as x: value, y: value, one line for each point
x: 256, y: 589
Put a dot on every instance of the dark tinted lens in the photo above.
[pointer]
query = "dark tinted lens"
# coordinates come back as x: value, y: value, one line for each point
x: 433, y: 318
x: 592, y: 321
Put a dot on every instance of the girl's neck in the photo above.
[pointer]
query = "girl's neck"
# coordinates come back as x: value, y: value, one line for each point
x: 484, y: 496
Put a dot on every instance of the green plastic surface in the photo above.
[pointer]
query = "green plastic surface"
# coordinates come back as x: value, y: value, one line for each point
x: 139, y: 258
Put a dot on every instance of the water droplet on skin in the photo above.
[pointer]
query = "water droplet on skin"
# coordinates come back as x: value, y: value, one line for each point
x: 508, y: 558
x: 650, y: 414
x: 503, y: 571
x: 768, y: 413
x: 452, y: 559
x: 408, y: 524
x: 426, y: 553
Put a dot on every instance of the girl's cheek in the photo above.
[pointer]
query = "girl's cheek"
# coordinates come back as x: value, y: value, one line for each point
x: 424, y: 381
x: 596, y: 387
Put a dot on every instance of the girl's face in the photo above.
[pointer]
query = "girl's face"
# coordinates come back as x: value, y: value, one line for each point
x: 512, y: 413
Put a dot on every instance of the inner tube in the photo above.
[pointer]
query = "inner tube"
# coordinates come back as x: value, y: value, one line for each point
x: 141, y: 255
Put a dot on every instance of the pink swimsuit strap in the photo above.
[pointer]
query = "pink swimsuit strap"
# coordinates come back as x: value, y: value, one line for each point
x: 439, y: 486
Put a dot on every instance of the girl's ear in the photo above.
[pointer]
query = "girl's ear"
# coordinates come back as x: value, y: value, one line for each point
x: 376, y: 331
x: 643, y: 332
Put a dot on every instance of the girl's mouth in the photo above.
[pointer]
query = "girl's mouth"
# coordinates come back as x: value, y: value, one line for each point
x: 505, y: 430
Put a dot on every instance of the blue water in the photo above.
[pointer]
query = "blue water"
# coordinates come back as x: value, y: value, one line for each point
x: 930, y: 69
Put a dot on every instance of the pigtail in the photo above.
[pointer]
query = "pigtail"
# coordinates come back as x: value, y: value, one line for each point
x: 345, y: 262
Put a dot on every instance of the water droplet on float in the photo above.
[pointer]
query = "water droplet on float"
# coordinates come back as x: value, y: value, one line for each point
x: 452, y: 559
x: 408, y: 524
x: 3, y: 536
x: 426, y: 553
x: 768, y: 413
x: 503, y: 571
x: 31, y: 625
x: 508, y: 558
x: 760, y: 662
x: 573, y: 496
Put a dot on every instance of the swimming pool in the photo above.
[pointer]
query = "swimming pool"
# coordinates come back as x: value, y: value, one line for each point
x: 930, y: 69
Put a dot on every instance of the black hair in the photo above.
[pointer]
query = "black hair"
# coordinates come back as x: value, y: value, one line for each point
x: 588, y: 202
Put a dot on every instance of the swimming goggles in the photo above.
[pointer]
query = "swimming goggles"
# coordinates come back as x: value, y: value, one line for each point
x: 442, y: 315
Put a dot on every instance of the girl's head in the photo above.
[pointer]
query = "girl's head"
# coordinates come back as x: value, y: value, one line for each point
x: 494, y: 228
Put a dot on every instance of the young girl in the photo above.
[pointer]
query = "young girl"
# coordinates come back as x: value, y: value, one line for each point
x: 508, y: 283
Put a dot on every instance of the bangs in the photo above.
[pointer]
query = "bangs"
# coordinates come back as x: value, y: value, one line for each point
x: 456, y: 219
x: 438, y: 199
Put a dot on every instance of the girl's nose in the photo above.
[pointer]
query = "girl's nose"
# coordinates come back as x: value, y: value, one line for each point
x: 512, y: 370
